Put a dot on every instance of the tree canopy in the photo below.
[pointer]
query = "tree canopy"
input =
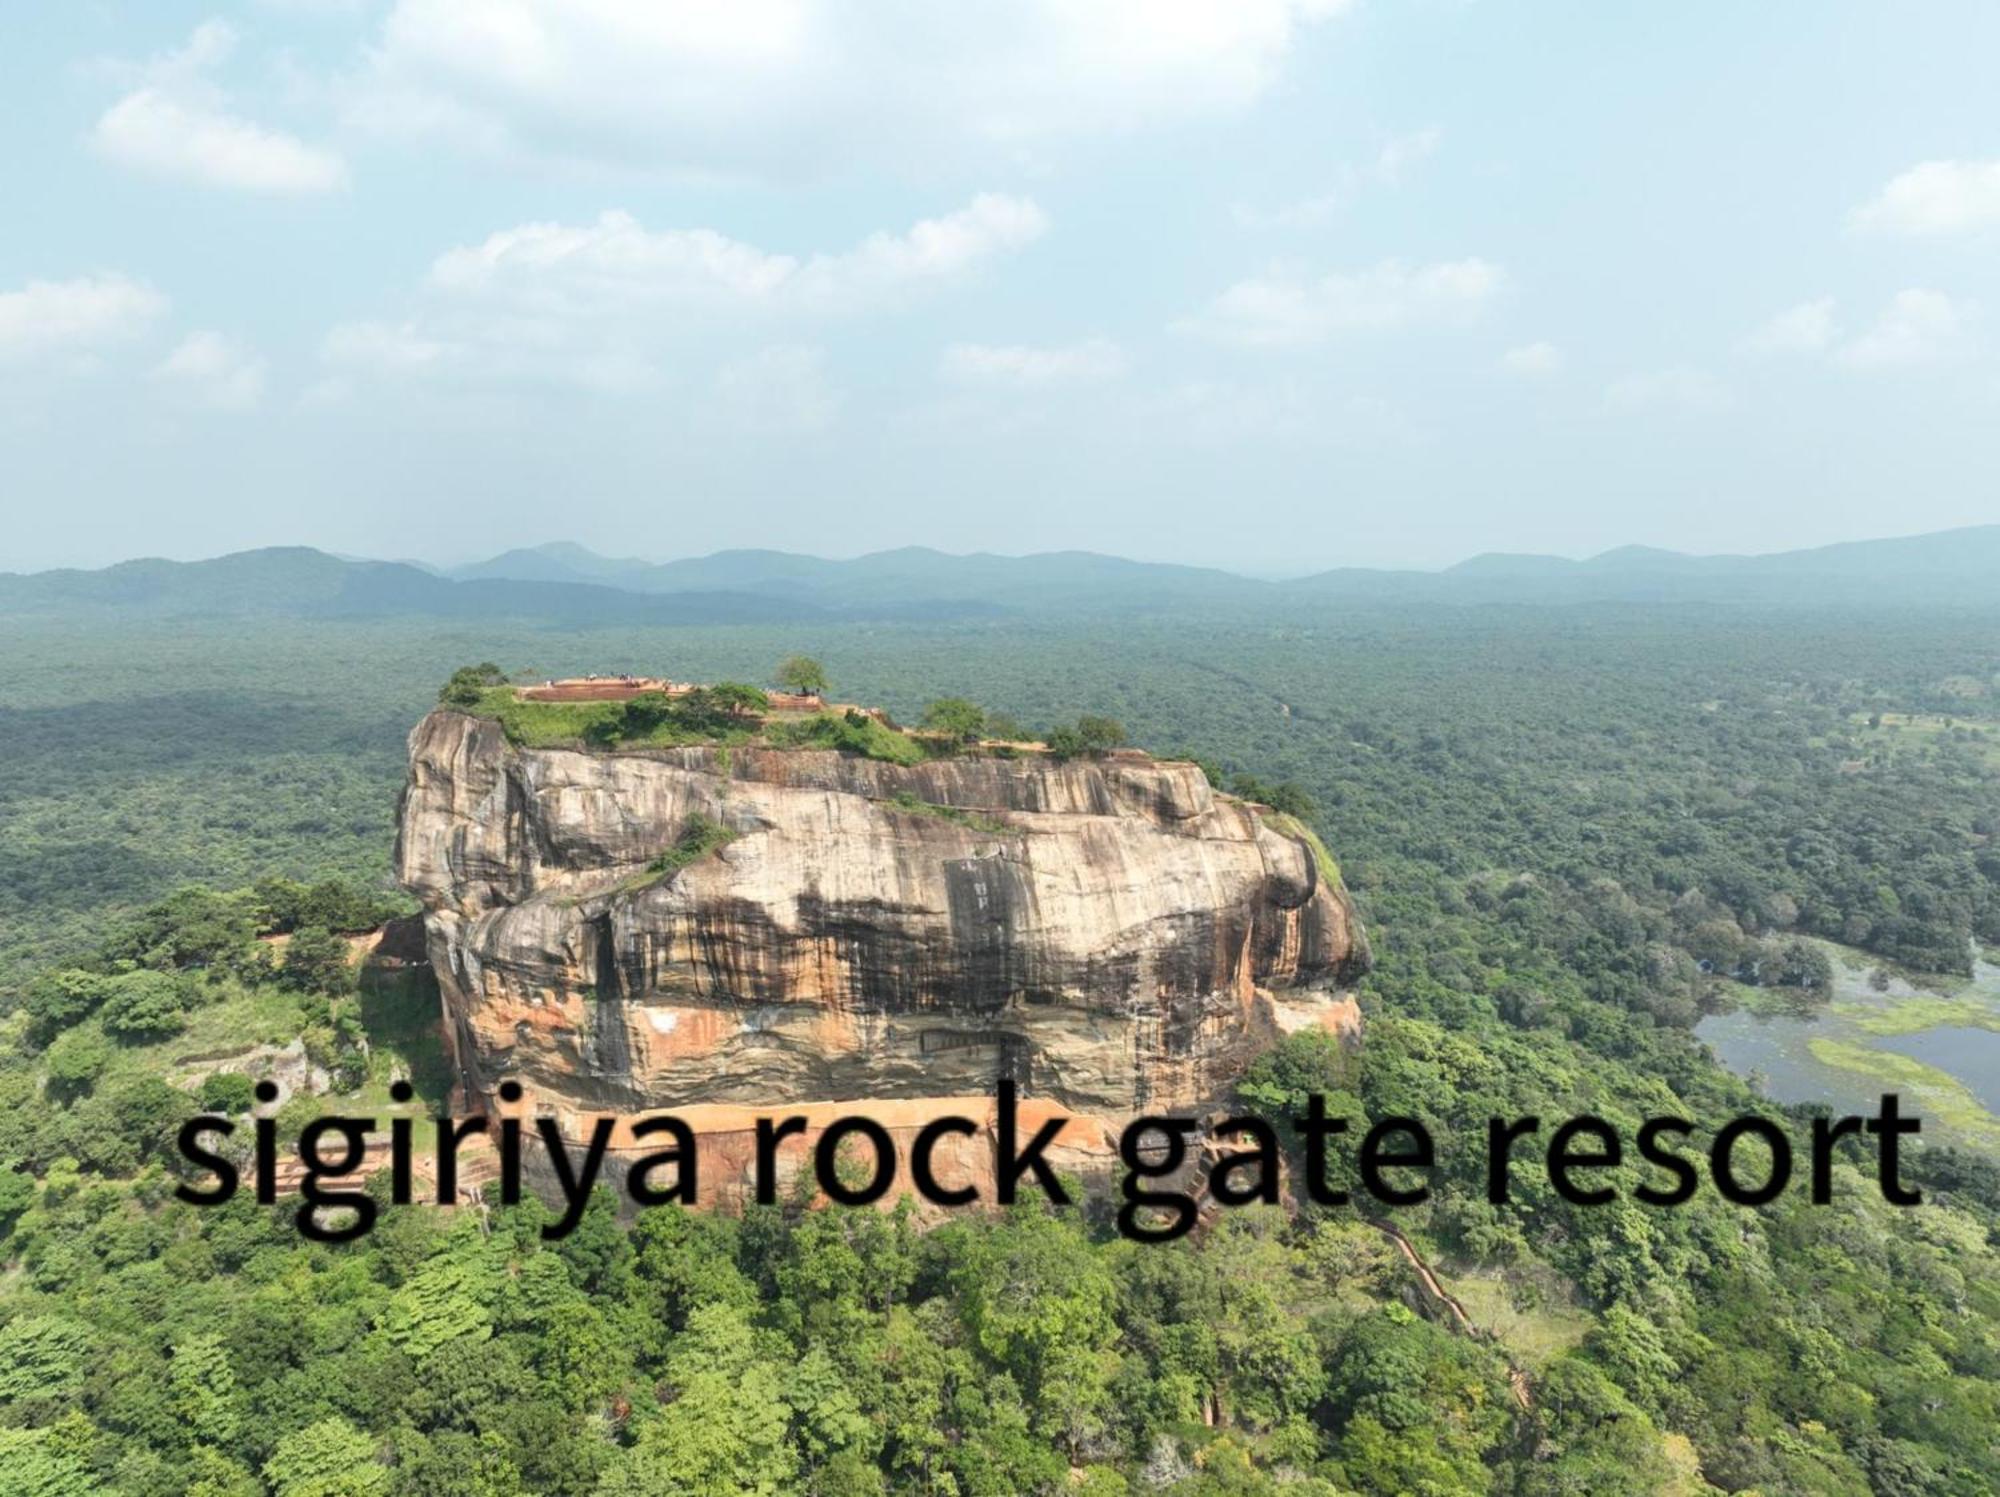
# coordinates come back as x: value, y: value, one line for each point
x: 802, y: 673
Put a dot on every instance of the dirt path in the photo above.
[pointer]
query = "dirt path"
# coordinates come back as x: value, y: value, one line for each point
x: 1437, y: 1294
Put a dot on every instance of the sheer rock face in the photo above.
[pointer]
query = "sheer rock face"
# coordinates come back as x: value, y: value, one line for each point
x: 1108, y: 933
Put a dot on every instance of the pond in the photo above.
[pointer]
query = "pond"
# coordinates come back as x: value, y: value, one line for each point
x: 1939, y: 1048
x: 1972, y: 1055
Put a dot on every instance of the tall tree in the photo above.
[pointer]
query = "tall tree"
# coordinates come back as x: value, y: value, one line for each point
x: 802, y: 673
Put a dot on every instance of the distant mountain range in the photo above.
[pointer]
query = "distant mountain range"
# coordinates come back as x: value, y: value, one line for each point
x: 566, y: 583
x: 299, y: 582
x: 910, y: 573
x: 1949, y: 567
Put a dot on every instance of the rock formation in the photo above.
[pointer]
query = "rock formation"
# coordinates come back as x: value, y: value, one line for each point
x: 1108, y: 932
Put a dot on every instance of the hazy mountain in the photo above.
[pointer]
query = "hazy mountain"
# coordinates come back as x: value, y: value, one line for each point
x: 1519, y: 564
x: 557, y: 561
x: 298, y: 582
x: 1955, y: 568
x: 912, y: 573
x: 562, y: 582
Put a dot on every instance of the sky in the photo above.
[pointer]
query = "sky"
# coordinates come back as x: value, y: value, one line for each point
x: 1275, y: 285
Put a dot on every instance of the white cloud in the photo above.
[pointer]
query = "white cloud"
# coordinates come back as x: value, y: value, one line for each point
x: 149, y: 131
x: 1284, y: 309
x: 212, y: 371
x: 382, y: 346
x: 1532, y: 359
x: 780, y: 390
x: 1391, y: 167
x: 177, y: 124
x: 616, y: 262
x: 1676, y: 389
x: 75, y: 317
x: 209, y: 45
x: 1393, y: 162
x: 1916, y: 327
x: 601, y: 303
x: 1024, y: 367
x: 1935, y: 197
x: 1807, y: 328
x: 776, y: 85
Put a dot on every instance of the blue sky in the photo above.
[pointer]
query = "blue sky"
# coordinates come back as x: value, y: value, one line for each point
x: 1268, y: 284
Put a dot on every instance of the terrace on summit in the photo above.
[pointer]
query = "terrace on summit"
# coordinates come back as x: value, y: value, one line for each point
x: 598, y: 688
x: 631, y: 711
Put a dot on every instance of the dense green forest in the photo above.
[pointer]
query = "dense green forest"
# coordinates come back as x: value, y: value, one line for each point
x: 1826, y: 773
x: 1564, y: 827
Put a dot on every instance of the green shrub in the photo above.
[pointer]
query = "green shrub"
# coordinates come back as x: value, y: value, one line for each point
x: 958, y: 719
x: 903, y: 800
x: 842, y: 731
x: 144, y: 1006
x: 284, y: 904
x: 468, y: 684
x: 552, y: 724
x: 230, y: 1093
x: 56, y: 1000
x: 316, y: 962
x: 723, y: 704
x: 1286, y: 796
x: 700, y: 836
x: 190, y: 928
x: 76, y: 1060
x: 17, y: 1194
x: 1090, y: 737
x: 705, y: 715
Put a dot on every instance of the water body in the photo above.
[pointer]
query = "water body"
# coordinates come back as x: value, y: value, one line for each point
x: 1970, y: 1054
x: 1927, y: 1026
x: 1774, y: 1053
